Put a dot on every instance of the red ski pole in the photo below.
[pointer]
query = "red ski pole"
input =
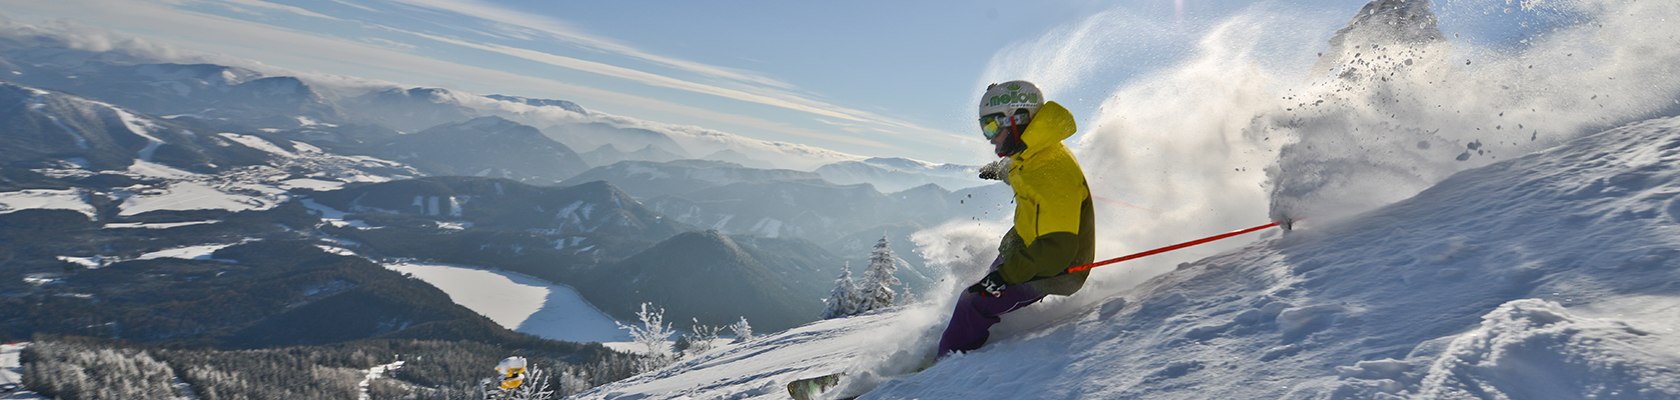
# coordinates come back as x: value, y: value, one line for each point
x: 1227, y: 235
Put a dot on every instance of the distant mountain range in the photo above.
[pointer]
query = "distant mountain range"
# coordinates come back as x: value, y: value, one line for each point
x: 896, y: 174
x: 167, y: 202
x: 186, y: 150
x: 485, y: 146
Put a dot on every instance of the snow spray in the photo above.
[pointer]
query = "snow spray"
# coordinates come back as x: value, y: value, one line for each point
x: 1273, y: 112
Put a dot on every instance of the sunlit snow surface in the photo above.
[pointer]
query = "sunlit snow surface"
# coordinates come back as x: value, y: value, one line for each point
x: 195, y: 196
x: 160, y: 225
x: 67, y: 199
x: 1553, y: 275
x: 199, y: 252
x: 762, y: 367
x: 519, y: 302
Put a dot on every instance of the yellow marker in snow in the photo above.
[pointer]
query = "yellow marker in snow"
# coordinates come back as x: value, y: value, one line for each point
x: 512, y: 370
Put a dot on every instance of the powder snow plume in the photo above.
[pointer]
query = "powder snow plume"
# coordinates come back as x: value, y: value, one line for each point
x: 1277, y: 114
x: 1394, y: 107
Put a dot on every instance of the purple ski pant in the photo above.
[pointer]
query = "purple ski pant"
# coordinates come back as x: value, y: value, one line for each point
x: 974, y: 316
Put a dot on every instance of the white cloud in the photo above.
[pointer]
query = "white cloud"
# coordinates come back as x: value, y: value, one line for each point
x: 308, y: 50
x: 238, y: 38
x: 759, y: 89
x: 560, y: 30
x: 347, y: 3
x: 235, y: 6
x: 389, y: 43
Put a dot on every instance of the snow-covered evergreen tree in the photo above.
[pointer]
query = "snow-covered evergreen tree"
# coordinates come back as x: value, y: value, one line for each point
x: 573, y: 381
x: 743, y: 330
x: 535, y: 387
x: 879, y: 279
x: 845, y: 299
x: 700, y: 341
x: 654, y: 336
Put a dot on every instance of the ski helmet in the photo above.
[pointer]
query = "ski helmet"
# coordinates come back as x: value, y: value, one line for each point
x: 1006, y: 109
x: 1008, y: 98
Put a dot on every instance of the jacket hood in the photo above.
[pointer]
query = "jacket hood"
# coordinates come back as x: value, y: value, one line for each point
x: 1050, y: 127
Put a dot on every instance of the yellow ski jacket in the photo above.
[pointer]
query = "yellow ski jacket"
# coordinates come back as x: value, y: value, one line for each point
x: 1055, y: 224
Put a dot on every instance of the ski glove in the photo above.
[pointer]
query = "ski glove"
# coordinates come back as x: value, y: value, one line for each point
x: 996, y: 170
x: 990, y: 286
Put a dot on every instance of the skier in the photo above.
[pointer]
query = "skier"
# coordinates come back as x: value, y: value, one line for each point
x: 1054, y: 220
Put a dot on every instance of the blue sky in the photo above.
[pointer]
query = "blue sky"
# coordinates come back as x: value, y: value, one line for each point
x: 892, y: 79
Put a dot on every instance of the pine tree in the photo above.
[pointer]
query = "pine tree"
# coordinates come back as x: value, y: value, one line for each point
x: 654, y: 336
x: 535, y: 387
x: 573, y: 381
x: 702, y: 338
x: 880, y: 278
x: 743, y: 330
x: 845, y: 299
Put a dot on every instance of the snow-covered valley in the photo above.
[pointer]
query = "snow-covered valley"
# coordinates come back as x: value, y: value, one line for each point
x: 519, y: 302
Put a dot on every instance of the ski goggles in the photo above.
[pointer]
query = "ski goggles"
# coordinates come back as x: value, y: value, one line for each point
x: 993, y: 124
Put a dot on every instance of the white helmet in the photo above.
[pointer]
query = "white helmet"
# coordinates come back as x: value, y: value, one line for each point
x: 1009, y: 98
x: 1006, y: 109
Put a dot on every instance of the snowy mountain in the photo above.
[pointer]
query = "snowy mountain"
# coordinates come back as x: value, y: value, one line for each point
x: 845, y: 219
x: 705, y: 275
x: 56, y: 128
x: 815, y: 210
x: 597, y: 135
x: 138, y: 164
x: 562, y: 104
x: 616, y: 252
x: 154, y: 80
x: 895, y: 174
x: 485, y: 146
x: 611, y: 154
x: 206, y: 91
x: 1551, y: 275
x: 647, y: 180
x: 580, y: 225
x: 413, y: 109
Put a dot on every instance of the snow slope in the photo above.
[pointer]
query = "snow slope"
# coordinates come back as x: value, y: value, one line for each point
x: 762, y: 367
x: 1553, y: 275
x: 520, y: 302
x: 197, y: 252
x: 11, y: 371
x: 67, y: 199
x: 375, y: 373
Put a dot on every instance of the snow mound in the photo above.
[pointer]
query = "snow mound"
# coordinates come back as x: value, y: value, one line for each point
x: 1579, y: 357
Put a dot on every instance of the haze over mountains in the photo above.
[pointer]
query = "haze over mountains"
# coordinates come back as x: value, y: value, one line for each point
x: 543, y: 187
x: 265, y: 210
